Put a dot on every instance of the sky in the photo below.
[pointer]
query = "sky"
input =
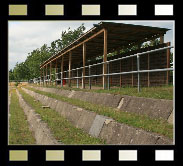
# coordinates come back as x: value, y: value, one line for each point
x: 26, y: 36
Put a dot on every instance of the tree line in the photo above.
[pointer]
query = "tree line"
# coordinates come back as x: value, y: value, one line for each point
x: 30, y: 67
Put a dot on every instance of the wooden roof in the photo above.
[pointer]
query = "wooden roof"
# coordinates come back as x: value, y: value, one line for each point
x: 119, y: 35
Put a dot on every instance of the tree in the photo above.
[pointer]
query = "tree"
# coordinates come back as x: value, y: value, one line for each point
x: 11, y: 75
x: 31, y: 67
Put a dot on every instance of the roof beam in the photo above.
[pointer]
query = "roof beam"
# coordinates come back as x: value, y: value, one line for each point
x: 91, y: 37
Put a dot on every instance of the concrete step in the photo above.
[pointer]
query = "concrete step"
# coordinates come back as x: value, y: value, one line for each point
x: 154, y: 108
x: 40, y: 129
x: 101, y: 126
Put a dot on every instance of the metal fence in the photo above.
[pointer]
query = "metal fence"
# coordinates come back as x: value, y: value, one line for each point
x: 59, y: 76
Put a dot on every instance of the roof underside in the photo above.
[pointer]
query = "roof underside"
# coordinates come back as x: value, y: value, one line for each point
x: 119, y: 35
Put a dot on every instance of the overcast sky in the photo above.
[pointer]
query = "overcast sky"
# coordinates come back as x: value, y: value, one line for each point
x: 25, y: 36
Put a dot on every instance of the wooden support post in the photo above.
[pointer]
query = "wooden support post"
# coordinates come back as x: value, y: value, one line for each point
x: 161, y: 39
x: 168, y: 63
x: 62, y: 69
x: 40, y: 77
x: 120, y: 74
x: 43, y: 75
x: 46, y: 73
x: 84, y: 59
x: 148, y: 67
x: 56, y: 70
x: 70, y: 60
x: 104, y: 60
x: 50, y: 72
x: 132, y: 70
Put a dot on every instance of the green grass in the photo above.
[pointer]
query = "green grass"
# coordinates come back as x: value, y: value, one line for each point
x: 19, y: 132
x: 141, y: 121
x: 61, y: 128
x: 164, y: 92
x: 158, y: 92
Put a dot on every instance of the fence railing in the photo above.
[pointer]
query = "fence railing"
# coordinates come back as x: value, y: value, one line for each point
x: 45, y: 79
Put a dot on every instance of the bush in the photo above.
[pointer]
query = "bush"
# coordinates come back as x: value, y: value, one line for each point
x: 16, y: 84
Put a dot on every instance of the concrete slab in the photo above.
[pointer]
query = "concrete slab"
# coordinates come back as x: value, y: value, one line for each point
x: 65, y: 110
x: 107, y: 132
x: 117, y: 133
x: 59, y: 107
x: 122, y: 134
x: 154, y: 108
x: 42, y: 99
x: 164, y: 141
x: 45, y: 100
x: 50, y: 101
x: 141, y: 137
x: 53, y: 104
x: 171, y: 118
x: 71, y: 94
x: 74, y: 115
x: 86, y: 120
x: 64, y: 93
x: 97, y: 125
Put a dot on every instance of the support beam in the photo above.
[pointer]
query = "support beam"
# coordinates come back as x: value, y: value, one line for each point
x: 62, y: 69
x: 46, y: 73
x: 161, y: 39
x: 148, y: 68
x: 40, y: 76
x: 56, y: 70
x: 50, y: 72
x: 120, y: 74
x: 168, y: 63
x: 70, y: 60
x: 43, y: 75
x: 80, y: 44
x: 104, y: 60
x: 84, y: 59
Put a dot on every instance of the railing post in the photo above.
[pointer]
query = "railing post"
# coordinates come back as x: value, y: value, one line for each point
x: 89, y: 77
x: 108, y: 76
x: 77, y: 80
x: 138, y: 68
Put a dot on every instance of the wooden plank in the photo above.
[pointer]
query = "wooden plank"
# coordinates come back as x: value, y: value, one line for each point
x: 70, y: 61
x: 104, y: 60
x: 45, y: 106
x: 40, y: 76
x: 62, y: 68
x: 50, y: 72
x: 43, y: 75
x: 168, y: 63
x: 148, y: 66
x: 46, y: 72
x: 56, y: 72
x: 84, y: 60
x: 161, y: 39
x: 120, y: 74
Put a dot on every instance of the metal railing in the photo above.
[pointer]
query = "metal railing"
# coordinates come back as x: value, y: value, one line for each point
x: 46, y: 78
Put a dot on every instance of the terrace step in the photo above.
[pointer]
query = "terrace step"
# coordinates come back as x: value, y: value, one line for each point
x: 101, y: 126
x: 154, y: 108
x: 40, y: 129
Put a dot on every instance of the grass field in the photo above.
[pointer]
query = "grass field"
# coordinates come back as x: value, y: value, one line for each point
x: 144, y: 122
x: 159, y: 92
x: 61, y: 128
x: 19, y: 132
